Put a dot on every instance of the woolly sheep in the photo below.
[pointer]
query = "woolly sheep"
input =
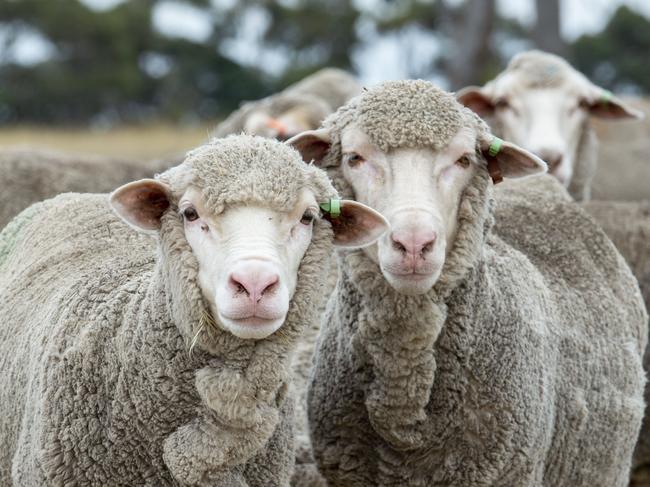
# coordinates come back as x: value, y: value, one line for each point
x: 301, y: 106
x: 542, y: 103
x: 451, y: 355
x: 162, y: 357
x: 28, y: 176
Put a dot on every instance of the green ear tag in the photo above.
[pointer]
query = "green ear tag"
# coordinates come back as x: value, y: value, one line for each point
x: 495, y: 146
x: 606, y: 97
x: 333, y: 207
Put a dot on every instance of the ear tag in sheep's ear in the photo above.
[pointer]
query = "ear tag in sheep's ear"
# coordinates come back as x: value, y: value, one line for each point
x: 332, y: 207
x: 606, y: 97
x: 492, y: 163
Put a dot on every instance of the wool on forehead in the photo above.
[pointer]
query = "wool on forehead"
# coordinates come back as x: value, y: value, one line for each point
x: 244, y: 169
x: 410, y: 113
x: 537, y: 69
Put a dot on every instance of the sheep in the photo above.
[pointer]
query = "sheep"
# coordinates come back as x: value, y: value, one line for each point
x: 29, y: 175
x: 448, y: 354
x: 301, y: 106
x: 543, y: 104
x: 161, y: 356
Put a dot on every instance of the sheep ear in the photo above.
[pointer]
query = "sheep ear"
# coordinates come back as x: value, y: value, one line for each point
x: 476, y: 99
x: 357, y: 225
x: 602, y: 103
x: 141, y: 204
x: 507, y: 160
x: 313, y: 145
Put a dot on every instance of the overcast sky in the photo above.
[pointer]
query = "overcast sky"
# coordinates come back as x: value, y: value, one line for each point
x: 376, y: 59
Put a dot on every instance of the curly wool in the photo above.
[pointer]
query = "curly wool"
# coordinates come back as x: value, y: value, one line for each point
x: 318, y: 94
x: 29, y: 175
x: 522, y: 366
x: 100, y: 387
x: 628, y: 225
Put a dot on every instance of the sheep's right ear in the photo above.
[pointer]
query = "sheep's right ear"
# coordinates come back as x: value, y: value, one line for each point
x: 507, y: 160
x: 356, y: 225
x: 313, y: 145
x: 476, y: 99
x: 141, y: 204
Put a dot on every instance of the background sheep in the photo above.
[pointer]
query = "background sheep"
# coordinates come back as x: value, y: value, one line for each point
x: 28, y: 176
x: 139, y: 361
x: 451, y: 355
x: 544, y: 104
x: 541, y: 103
x: 302, y: 106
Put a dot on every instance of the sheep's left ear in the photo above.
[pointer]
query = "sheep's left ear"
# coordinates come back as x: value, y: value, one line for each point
x: 476, y: 99
x: 141, y: 204
x: 602, y: 103
x: 355, y: 224
x: 313, y: 145
x: 507, y: 160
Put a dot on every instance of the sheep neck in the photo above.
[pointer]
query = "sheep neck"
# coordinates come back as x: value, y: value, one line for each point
x: 585, y: 164
x: 397, y: 333
x: 241, y: 384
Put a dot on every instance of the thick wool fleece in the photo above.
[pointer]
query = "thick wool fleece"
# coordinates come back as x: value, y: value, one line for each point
x: 628, y: 225
x: 537, y: 69
x: 99, y: 386
x: 28, y: 176
x: 522, y: 366
x: 319, y: 95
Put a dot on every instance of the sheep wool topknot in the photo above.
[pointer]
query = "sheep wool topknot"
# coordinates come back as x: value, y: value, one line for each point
x: 539, y: 69
x: 409, y: 113
x: 249, y: 169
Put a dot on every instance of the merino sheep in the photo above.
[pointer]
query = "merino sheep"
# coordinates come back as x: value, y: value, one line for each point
x: 28, y: 176
x: 301, y: 106
x: 162, y: 357
x: 448, y: 354
x: 542, y: 103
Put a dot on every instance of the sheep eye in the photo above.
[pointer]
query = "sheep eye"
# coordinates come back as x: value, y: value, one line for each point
x: 308, y: 217
x: 463, y: 161
x: 502, y: 104
x: 354, y: 159
x: 190, y: 214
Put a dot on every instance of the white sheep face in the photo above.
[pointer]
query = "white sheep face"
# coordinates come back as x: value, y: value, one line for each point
x: 248, y: 255
x: 547, y: 121
x: 248, y: 259
x: 418, y: 191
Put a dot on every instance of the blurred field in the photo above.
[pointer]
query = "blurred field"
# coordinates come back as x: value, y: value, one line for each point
x: 623, y: 174
x: 145, y: 142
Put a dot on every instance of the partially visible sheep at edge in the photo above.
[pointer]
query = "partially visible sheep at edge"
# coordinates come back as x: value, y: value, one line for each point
x: 543, y: 104
x: 29, y: 175
x: 161, y: 357
x: 451, y: 354
x: 299, y: 107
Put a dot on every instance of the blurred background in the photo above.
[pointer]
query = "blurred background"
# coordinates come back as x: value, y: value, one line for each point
x: 150, y: 77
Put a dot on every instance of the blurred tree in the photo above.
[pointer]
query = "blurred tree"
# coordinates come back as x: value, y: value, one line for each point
x: 113, y: 65
x: 546, y: 32
x: 617, y: 57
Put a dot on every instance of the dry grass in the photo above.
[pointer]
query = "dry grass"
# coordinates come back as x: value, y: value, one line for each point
x: 129, y: 142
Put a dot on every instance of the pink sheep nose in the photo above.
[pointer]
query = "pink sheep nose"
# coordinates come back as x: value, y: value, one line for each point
x: 413, y: 244
x: 255, y: 279
x: 552, y: 157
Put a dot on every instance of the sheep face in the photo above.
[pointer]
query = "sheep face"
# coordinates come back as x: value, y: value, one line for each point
x: 418, y: 190
x: 248, y: 259
x: 542, y: 104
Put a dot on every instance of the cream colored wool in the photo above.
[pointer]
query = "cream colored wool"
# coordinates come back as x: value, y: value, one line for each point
x: 628, y: 225
x: 28, y: 176
x: 523, y: 364
x: 318, y: 94
x: 98, y: 383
